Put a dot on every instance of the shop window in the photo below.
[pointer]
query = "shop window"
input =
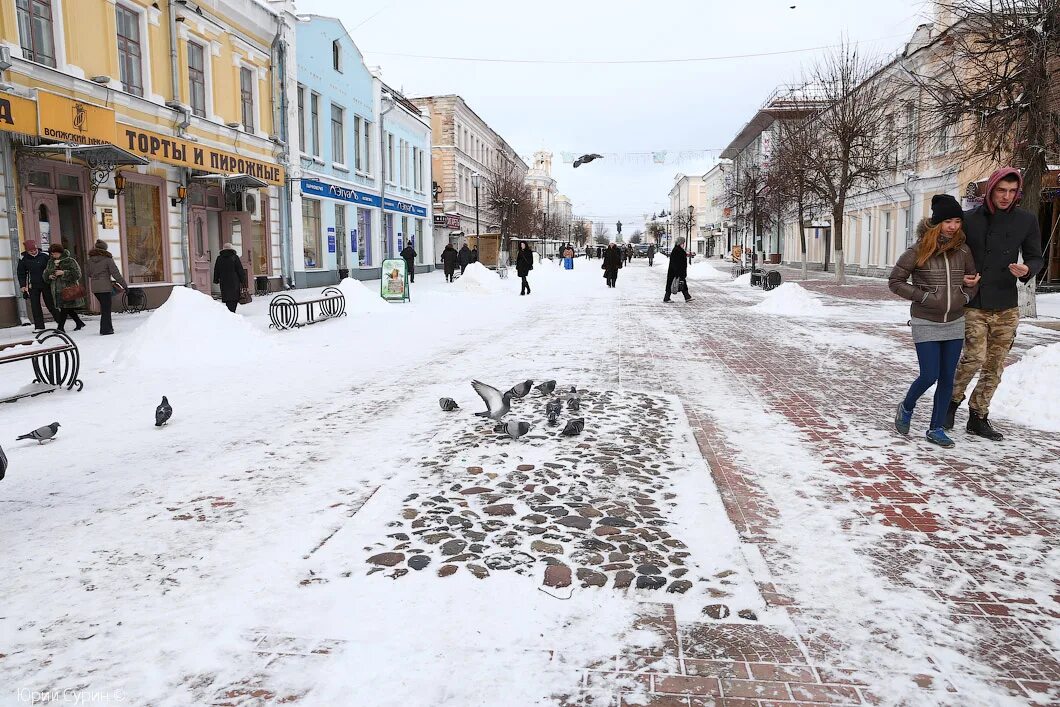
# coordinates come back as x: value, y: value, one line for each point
x: 144, y: 242
x: 311, y: 233
x: 246, y: 98
x: 36, y: 31
x: 420, y: 249
x: 364, y: 238
x: 260, y: 255
x: 130, y: 54
x: 197, y: 79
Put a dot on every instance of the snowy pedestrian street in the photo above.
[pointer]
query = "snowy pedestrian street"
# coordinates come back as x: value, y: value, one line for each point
x: 737, y: 524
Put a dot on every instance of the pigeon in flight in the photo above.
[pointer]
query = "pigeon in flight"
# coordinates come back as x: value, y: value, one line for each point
x: 513, y: 429
x: 3, y: 463
x: 497, y: 404
x: 521, y: 390
x: 448, y: 404
x: 574, y: 427
x: 163, y: 412
x: 546, y: 387
x: 586, y: 159
x: 574, y: 404
x: 41, y: 433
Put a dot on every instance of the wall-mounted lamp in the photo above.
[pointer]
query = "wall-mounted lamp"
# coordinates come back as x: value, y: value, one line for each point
x: 119, y: 186
x: 182, y: 194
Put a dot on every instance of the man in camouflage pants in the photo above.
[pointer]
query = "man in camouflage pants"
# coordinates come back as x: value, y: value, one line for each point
x: 998, y: 233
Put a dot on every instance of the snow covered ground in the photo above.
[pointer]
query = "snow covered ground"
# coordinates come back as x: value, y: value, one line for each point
x: 284, y: 536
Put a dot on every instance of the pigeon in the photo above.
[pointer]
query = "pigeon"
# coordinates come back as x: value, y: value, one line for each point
x: 586, y: 159
x: 513, y: 429
x: 163, y: 412
x: 554, y: 407
x: 41, y: 433
x: 574, y: 404
x: 572, y: 393
x: 553, y: 417
x: 574, y: 427
x: 3, y: 463
x: 521, y: 390
x: 497, y: 404
x: 448, y: 404
x: 546, y: 387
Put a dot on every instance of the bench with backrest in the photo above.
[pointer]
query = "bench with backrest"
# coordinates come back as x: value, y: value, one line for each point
x: 285, y: 311
x: 55, y: 359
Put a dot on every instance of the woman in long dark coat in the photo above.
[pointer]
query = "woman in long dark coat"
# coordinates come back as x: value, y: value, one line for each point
x: 524, y: 263
x: 678, y: 270
x: 449, y: 261
x: 228, y: 272
x: 612, y: 264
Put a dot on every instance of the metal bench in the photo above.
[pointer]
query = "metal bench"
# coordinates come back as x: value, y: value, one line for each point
x: 55, y: 358
x: 766, y: 279
x: 134, y: 300
x: 284, y: 309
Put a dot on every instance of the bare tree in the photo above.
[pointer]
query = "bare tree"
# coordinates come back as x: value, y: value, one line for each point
x: 744, y: 189
x: 993, y: 85
x: 853, y: 138
x: 510, y: 201
x: 580, y: 233
x: 789, y: 178
x: 684, y: 223
x: 637, y: 236
x: 601, y: 233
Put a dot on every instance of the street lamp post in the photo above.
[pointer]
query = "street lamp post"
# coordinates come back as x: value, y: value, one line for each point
x: 476, y: 182
x: 689, y: 224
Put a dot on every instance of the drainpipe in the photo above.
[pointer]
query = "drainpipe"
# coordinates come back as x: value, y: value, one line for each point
x: 909, y: 178
x: 173, y: 68
x: 279, y: 60
x: 7, y: 154
x: 382, y: 165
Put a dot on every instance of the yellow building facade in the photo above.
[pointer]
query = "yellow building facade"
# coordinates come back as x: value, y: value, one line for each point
x: 152, y: 126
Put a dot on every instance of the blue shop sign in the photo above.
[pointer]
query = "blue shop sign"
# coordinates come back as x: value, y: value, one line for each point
x: 404, y: 207
x: 332, y: 191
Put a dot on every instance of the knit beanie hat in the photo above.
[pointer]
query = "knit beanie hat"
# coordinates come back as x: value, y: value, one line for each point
x: 101, y: 245
x: 944, y: 206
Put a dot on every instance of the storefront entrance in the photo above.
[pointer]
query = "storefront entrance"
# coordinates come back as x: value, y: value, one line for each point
x: 55, y: 208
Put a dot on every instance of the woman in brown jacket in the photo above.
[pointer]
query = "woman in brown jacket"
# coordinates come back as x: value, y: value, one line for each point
x: 944, y: 279
x: 102, y: 274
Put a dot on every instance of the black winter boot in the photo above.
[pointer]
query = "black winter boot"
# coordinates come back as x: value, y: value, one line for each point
x: 951, y: 413
x: 980, y: 427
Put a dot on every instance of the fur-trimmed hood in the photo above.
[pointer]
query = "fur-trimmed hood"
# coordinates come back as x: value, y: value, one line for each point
x: 922, y: 227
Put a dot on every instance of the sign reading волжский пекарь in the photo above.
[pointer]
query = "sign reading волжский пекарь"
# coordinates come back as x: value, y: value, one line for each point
x: 189, y: 154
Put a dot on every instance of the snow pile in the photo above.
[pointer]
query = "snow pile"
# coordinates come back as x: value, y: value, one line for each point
x: 480, y: 279
x: 706, y: 271
x: 791, y: 300
x: 360, y: 297
x: 192, y: 329
x: 744, y: 279
x: 1024, y: 395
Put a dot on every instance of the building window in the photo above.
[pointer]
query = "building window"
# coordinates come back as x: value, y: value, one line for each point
x: 390, y: 158
x: 887, y: 228
x: 910, y: 133
x: 404, y: 147
x: 144, y: 244
x: 36, y: 31
x: 246, y: 97
x: 420, y: 248
x: 338, y: 146
x: 301, y: 118
x: 197, y: 79
x: 336, y: 56
x: 311, y: 233
x: 942, y: 140
x: 260, y: 255
x: 364, y: 238
x: 130, y: 57
x: 314, y: 118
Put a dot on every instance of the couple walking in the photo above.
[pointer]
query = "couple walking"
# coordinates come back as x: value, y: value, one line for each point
x: 964, y: 269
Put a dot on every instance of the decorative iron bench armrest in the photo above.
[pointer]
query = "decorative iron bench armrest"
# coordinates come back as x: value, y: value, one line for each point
x: 56, y: 362
x: 284, y: 309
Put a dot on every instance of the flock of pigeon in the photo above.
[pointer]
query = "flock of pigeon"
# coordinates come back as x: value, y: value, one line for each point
x: 163, y: 412
x: 498, y: 405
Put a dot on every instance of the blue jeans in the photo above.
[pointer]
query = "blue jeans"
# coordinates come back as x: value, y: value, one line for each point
x: 938, y: 363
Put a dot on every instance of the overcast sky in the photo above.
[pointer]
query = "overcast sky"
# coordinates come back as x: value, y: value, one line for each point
x: 613, y: 108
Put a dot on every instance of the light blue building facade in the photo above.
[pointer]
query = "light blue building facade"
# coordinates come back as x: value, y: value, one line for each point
x: 345, y: 220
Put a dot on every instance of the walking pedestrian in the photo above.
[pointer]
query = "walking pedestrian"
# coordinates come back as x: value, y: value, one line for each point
x: 568, y: 257
x: 629, y: 252
x: 409, y: 254
x: 473, y: 258
x: 228, y: 272
x: 30, y: 272
x: 524, y: 263
x: 651, y: 254
x: 102, y: 274
x: 612, y: 264
x: 464, y: 258
x: 944, y: 280
x: 450, y: 258
x: 68, y: 293
x: 998, y: 233
x: 677, y: 270
x: 588, y: 252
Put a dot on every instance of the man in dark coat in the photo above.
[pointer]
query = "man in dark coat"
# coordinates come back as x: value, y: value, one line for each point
x: 474, y: 255
x: 30, y: 273
x: 409, y: 254
x: 651, y: 254
x: 678, y: 269
x: 998, y: 232
x: 588, y: 252
x: 464, y: 258
x: 612, y: 264
x: 450, y: 258
x: 228, y: 272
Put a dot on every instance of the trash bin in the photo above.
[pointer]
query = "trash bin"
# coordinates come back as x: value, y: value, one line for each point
x: 261, y: 285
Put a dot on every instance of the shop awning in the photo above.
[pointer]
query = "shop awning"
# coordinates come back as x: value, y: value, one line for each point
x: 93, y: 155
x: 236, y: 182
